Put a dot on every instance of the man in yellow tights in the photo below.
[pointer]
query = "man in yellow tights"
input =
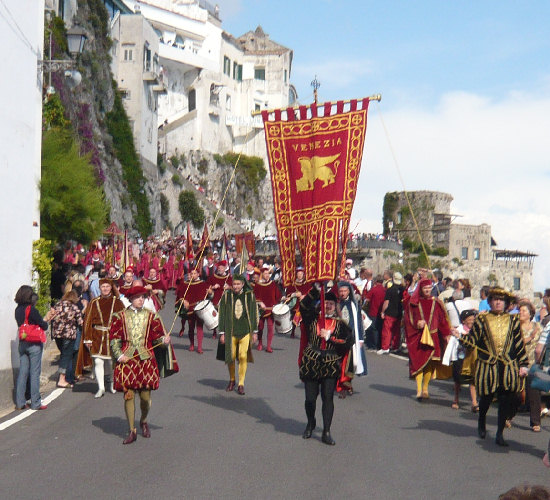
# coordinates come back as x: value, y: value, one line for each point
x: 238, y: 325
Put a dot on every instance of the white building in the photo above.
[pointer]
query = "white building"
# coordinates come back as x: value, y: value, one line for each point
x: 135, y: 64
x: 22, y: 32
x: 214, y: 80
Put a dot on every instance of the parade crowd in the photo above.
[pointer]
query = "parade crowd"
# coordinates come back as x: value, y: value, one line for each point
x: 104, y: 320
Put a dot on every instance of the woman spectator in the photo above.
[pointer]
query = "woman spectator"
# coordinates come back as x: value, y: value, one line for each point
x: 530, y: 331
x: 65, y: 326
x: 30, y: 353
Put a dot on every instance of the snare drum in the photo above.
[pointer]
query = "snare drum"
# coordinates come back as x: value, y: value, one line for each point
x: 206, y: 311
x: 281, y: 318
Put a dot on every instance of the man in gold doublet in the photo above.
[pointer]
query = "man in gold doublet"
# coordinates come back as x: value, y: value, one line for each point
x: 502, y: 360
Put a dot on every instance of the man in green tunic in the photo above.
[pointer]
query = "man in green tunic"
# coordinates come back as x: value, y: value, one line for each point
x: 238, y: 322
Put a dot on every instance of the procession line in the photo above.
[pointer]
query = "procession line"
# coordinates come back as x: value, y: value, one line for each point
x: 27, y: 413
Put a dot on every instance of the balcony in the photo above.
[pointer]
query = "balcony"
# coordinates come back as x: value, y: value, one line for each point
x: 183, y: 55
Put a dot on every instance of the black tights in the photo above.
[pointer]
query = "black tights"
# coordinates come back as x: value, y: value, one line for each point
x: 328, y: 386
x: 508, y: 403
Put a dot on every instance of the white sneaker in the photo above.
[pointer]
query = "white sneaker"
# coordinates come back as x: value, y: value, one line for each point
x: 544, y: 412
x: 383, y: 351
x: 99, y: 393
x: 112, y: 389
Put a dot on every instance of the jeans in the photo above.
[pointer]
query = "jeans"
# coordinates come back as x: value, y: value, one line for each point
x: 66, y: 347
x: 30, y: 365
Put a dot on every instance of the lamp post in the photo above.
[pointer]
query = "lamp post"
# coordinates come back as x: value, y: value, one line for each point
x: 76, y: 36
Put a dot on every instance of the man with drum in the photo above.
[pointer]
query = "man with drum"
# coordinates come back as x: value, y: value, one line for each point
x: 218, y: 281
x: 300, y: 288
x: 268, y: 294
x: 238, y: 319
x: 157, y: 287
x: 192, y: 292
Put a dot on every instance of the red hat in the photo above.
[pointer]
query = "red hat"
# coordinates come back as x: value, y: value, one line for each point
x: 135, y: 291
x: 129, y: 269
x: 222, y: 263
x: 251, y: 262
x: 299, y: 268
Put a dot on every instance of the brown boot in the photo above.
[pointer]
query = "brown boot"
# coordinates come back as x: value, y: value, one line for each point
x: 230, y: 386
x: 132, y: 436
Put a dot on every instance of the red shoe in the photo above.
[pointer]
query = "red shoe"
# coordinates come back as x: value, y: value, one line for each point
x: 230, y: 386
x: 41, y: 407
x: 199, y: 351
x: 260, y: 346
x: 240, y: 390
x: 191, y: 347
x: 269, y: 349
x: 180, y: 334
x: 145, y: 432
x: 132, y: 436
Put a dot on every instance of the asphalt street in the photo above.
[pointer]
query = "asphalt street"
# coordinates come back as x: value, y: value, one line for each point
x: 207, y: 443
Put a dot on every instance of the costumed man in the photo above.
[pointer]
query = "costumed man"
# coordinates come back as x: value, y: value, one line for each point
x: 502, y: 361
x: 157, y: 286
x: 300, y: 288
x: 328, y: 339
x: 268, y: 294
x: 128, y: 280
x: 426, y: 328
x: 354, y: 362
x: 134, y: 333
x: 219, y: 281
x: 192, y: 292
x: 95, y: 335
x: 238, y: 320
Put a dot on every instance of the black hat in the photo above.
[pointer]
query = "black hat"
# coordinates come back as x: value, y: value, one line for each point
x: 331, y: 296
x: 466, y: 314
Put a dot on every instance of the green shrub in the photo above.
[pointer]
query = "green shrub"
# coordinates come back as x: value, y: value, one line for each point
x: 175, y: 161
x: 250, y: 169
x: 72, y: 205
x: 220, y: 221
x: 203, y: 166
x: 190, y: 209
x: 118, y: 126
x: 42, y: 271
x: 177, y: 180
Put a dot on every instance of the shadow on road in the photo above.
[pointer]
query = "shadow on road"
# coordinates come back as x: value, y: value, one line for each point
x: 253, y: 407
x: 213, y: 382
x: 116, y: 425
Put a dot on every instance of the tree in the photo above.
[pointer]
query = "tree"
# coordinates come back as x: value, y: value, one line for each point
x: 72, y: 206
x: 190, y: 209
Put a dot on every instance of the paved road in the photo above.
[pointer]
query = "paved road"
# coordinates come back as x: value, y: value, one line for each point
x: 209, y: 444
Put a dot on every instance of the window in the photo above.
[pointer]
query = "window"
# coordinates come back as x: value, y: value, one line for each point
x: 226, y: 66
x: 286, y: 75
x: 128, y: 52
x: 237, y: 72
x: 517, y: 284
x: 228, y: 102
x: 125, y: 94
x: 399, y: 217
x: 192, y: 99
x: 259, y: 73
x: 179, y: 42
x: 146, y: 58
x: 256, y: 107
x: 464, y: 253
x: 477, y: 253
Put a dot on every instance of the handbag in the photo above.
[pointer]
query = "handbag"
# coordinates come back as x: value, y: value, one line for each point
x: 539, y: 378
x: 31, y: 333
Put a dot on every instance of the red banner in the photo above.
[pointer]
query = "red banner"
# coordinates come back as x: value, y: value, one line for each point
x: 247, y: 239
x: 315, y: 164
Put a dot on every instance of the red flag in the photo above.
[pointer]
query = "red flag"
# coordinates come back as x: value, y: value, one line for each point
x: 189, y: 245
x: 315, y: 166
x: 205, y: 239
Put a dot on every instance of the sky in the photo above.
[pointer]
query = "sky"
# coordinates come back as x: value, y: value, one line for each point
x: 465, y: 101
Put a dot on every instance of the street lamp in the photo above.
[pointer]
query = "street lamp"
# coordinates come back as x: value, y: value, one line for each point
x: 76, y: 37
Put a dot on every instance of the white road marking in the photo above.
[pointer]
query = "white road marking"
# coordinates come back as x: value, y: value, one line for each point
x: 27, y: 413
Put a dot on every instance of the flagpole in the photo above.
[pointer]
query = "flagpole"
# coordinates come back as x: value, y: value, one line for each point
x: 375, y: 97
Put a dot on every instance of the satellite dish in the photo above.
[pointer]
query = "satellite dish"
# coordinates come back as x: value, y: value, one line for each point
x: 73, y: 78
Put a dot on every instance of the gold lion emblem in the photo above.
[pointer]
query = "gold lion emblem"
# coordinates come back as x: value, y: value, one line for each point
x: 315, y: 168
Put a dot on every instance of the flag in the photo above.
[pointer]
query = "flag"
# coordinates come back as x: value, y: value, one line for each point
x: 315, y: 164
x: 125, y: 253
x: 205, y: 239
x: 189, y: 245
x: 224, y: 253
x: 244, y: 260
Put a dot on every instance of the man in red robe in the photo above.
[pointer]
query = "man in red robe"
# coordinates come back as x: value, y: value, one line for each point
x: 423, y: 311
x: 268, y: 294
x: 192, y: 292
x: 156, y: 285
